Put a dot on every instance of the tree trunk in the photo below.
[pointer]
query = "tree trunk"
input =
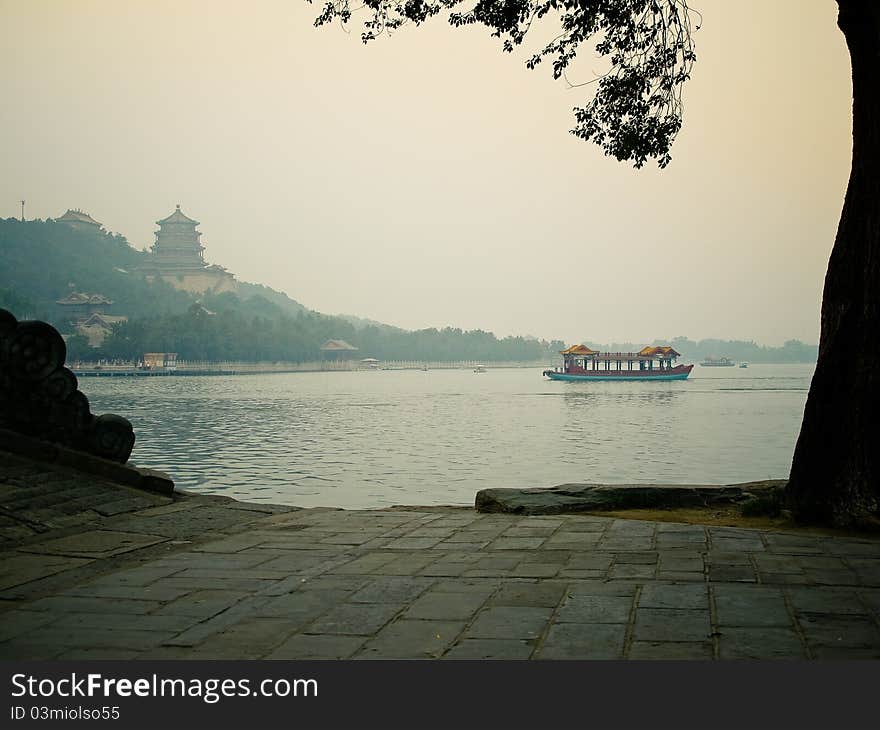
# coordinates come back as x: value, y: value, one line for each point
x: 836, y: 467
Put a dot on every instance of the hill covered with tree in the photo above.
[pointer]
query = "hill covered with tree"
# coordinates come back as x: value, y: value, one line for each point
x: 44, y: 261
x: 233, y: 333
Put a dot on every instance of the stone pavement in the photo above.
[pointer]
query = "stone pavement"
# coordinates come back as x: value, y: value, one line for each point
x: 117, y: 573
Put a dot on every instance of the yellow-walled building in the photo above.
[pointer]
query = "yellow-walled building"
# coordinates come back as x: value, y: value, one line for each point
x: 178, y: 258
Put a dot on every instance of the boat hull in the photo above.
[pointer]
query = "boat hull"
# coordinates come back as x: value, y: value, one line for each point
x: 679, y: 373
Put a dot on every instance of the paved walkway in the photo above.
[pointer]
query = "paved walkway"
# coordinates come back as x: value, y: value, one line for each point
x: 93, y: 570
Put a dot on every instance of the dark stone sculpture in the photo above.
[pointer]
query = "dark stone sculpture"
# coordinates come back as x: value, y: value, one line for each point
x: 39, y: 396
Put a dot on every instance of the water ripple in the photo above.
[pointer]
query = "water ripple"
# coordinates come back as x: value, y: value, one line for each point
x: 341, y: 440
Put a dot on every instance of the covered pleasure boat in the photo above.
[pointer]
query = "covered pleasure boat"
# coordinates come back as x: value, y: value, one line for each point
x: 579, y: 362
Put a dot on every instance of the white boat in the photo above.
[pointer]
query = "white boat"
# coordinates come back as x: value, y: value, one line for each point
x: 479, y: 368
x: 717, y: 362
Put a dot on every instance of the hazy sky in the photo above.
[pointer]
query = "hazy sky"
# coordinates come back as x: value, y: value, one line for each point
x: 428, y: 179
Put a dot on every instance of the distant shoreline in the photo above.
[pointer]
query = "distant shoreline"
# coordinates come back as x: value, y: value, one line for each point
x: 265, y: 368
x: 91, y: 370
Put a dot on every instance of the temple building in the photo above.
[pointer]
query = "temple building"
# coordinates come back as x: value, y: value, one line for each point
x: 178, y: 258
x: 79, y: 220
x: 97, y: 327
x: 337, y: 354
x: 335, y: 349
x: 77, y: 307
x: 85, y: 315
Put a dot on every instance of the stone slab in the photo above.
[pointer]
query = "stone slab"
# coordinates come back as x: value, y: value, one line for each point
x: 486, y: 649
x: 509, y: 622
x: 583, y: 641
x: 317, y: 646
x: 595, y: 610
x: 596, y: 497
x: 95, y: 544
x: 760, y: 643
x: 669, y: 650
x: 18, y: 569
x: 412, y: 639
x: 355, y: 619
x: 445, y: 606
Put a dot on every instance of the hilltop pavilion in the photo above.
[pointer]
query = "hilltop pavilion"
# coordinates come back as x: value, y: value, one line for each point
x: 80, y: 221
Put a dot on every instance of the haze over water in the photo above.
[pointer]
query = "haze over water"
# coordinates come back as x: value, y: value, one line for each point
x: 428, y: 179
x: 374, y: 439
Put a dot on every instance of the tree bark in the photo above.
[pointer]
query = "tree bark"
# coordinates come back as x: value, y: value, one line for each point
x: 836, y: 466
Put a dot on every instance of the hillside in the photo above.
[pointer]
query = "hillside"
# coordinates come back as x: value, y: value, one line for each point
x: 284, y: 303
x: 44, y: 261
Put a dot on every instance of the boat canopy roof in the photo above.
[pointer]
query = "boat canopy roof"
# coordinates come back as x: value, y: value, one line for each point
x: 662, y: 352
x: 578, y: 350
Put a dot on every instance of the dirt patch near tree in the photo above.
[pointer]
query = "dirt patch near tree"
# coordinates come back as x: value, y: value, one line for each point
x: 731, y: 516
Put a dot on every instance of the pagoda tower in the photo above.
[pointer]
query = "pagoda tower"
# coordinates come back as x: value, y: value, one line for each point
x: 177, y: 244
x: 178, y: 258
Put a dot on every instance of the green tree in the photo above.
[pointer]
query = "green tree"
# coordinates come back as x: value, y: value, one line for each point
x: 78, y: 348
x: 635, y: 115
x: 835, y: 474
x: 20, y: 306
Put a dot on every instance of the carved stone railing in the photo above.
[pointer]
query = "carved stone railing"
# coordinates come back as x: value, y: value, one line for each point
x: 39, y: 396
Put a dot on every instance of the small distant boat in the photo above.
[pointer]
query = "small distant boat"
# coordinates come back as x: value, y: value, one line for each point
x: 580, y: 363
x: 717, y: 362
x: 479, y: 368
x: 744, y: 364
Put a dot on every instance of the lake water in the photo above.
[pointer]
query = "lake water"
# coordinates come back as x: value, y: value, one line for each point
x: 379, y: 438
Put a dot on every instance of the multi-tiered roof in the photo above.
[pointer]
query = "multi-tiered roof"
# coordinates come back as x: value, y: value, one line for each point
x: 177, y: 246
